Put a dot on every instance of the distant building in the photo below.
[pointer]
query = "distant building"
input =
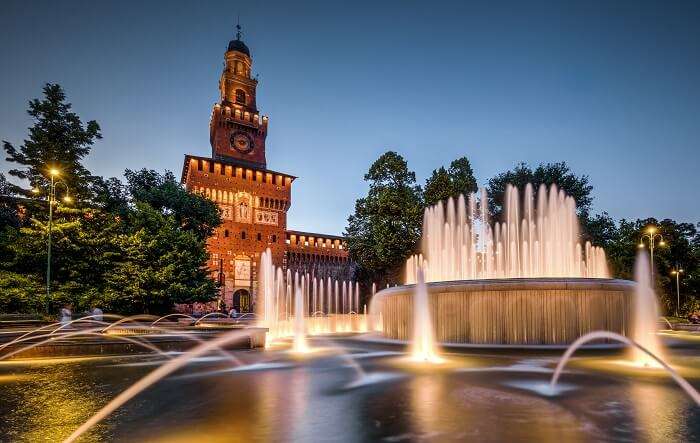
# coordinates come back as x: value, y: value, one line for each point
x: 254, y: 200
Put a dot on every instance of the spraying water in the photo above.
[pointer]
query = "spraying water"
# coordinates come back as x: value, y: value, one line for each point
x: 460, y: 244
x: 646, y: 313
x: 278, y: 309
x: 424, y: 348
x: 300, y: 344
x: 597, y: 335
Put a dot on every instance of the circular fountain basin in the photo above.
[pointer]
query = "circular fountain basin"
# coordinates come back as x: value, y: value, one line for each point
x: 518, y: 311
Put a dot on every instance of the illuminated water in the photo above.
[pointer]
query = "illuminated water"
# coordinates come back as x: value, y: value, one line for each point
x: 646, y: 313
x: 329, y: 306
x: 423, y: 346
x: 280, y: 398
x: 535, y: 239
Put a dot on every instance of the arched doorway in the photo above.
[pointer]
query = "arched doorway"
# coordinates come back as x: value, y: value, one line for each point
x: 241, y: 300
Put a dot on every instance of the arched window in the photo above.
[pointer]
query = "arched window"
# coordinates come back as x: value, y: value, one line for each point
x: 259, y: 236
x: 240, y: 96
x: 226, y: 233
x: 243, y: 235
x: 274, y: 238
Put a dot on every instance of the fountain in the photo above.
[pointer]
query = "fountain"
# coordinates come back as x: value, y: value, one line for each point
x: 299, y: 326
x: 423, y: 347
x: 524, y: 281
x: 646, y: 314
x: 279, y: 296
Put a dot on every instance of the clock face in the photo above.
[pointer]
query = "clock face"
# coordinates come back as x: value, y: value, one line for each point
x: 241, y: 142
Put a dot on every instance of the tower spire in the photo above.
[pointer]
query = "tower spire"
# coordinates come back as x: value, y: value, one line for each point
x: 238, y: 28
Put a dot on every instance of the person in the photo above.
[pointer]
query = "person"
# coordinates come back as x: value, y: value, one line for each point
x: 232, y: 313
x: 66, y: 314
x: 96, y: 313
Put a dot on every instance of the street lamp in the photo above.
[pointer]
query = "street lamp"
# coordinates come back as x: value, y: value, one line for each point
x: 677, y: 273
x: 651, y: 236
x: 53, y: 172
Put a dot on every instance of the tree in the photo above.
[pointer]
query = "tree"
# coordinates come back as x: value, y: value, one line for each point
x: 9, y: 214
x: 462, y: 176
x: 134, y: 247
x: 443, y: 184
x: 437, y: 187
x: 165, y: 194
x: 58, y: 140
x: 680, y: 251
x: 548, y: 174
x: 385, y: 227
x: 161, y: 263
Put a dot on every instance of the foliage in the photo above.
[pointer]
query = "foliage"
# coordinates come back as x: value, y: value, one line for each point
x: 58, y: 140
x: 138, y: 246
x: 681, y: 250
x: 9, y: 214
x: 20, y: 293
x: 385, y: 227
x: 443, y: 184
x: 547, y: 174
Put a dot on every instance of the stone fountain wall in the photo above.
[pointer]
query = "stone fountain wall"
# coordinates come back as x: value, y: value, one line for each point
x: 542, y: 311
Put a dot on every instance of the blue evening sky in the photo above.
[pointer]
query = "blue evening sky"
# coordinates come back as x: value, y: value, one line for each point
x: 610, y: 87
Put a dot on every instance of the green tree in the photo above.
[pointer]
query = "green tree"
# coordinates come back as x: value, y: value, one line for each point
x: 560, y: 174
x: 9, y: 214
x: 58, y: 139
x: 681, y: 250
x: 443, y: 184
x: 161, y: 263
x: 438, y: 187
x: 385, y: 227
x: 163, y: 193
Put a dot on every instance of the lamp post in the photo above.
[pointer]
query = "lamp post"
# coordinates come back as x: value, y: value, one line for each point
x: 53, y: 173
x: 651, y: 236
x: 677, y: 273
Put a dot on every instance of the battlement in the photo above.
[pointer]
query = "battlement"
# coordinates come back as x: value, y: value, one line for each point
x: 221, y: 114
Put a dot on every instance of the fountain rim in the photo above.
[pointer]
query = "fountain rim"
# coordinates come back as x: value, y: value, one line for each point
x: 526, y: 283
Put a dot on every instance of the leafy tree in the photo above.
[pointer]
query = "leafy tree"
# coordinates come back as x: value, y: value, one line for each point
x: 462, y: 176
x: 438, y: 187
x: 385, y: 227
x: 134, y: 247
x: 680, y: 251
x: 58, y: 140
x: 161, y: 264
x: 165, y: 194
x: 9, y: 214
x: 443, y: 184
x: 560, y: 174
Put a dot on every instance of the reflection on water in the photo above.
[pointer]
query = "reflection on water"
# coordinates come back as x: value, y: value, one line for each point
x: 308, y: 400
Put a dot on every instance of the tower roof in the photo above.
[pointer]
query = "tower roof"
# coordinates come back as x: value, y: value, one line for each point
x: 237, y: 44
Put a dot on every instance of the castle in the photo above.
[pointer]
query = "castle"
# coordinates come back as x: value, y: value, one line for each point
x: 253, y: 199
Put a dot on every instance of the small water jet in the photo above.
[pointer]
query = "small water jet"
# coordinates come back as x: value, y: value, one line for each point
x: 423, y: 347
x: 300, y: 345
x: 597, y: 335
x: 194, y: 320
x: 646, y: 314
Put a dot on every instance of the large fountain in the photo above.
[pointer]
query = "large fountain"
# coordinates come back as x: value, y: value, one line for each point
x: 525, y: 281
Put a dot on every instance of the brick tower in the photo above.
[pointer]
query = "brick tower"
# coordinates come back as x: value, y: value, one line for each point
x: 253, y: 200
x: 236, y: 129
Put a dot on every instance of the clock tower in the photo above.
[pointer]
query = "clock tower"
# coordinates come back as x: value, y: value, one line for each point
x: 236, y: 130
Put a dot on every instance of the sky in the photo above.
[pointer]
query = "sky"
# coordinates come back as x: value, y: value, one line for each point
x: 609, y: 87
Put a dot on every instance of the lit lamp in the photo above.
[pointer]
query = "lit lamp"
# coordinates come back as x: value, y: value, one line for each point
x: 651, y: 236
x: 677, y: 273
x: 53, y: 173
